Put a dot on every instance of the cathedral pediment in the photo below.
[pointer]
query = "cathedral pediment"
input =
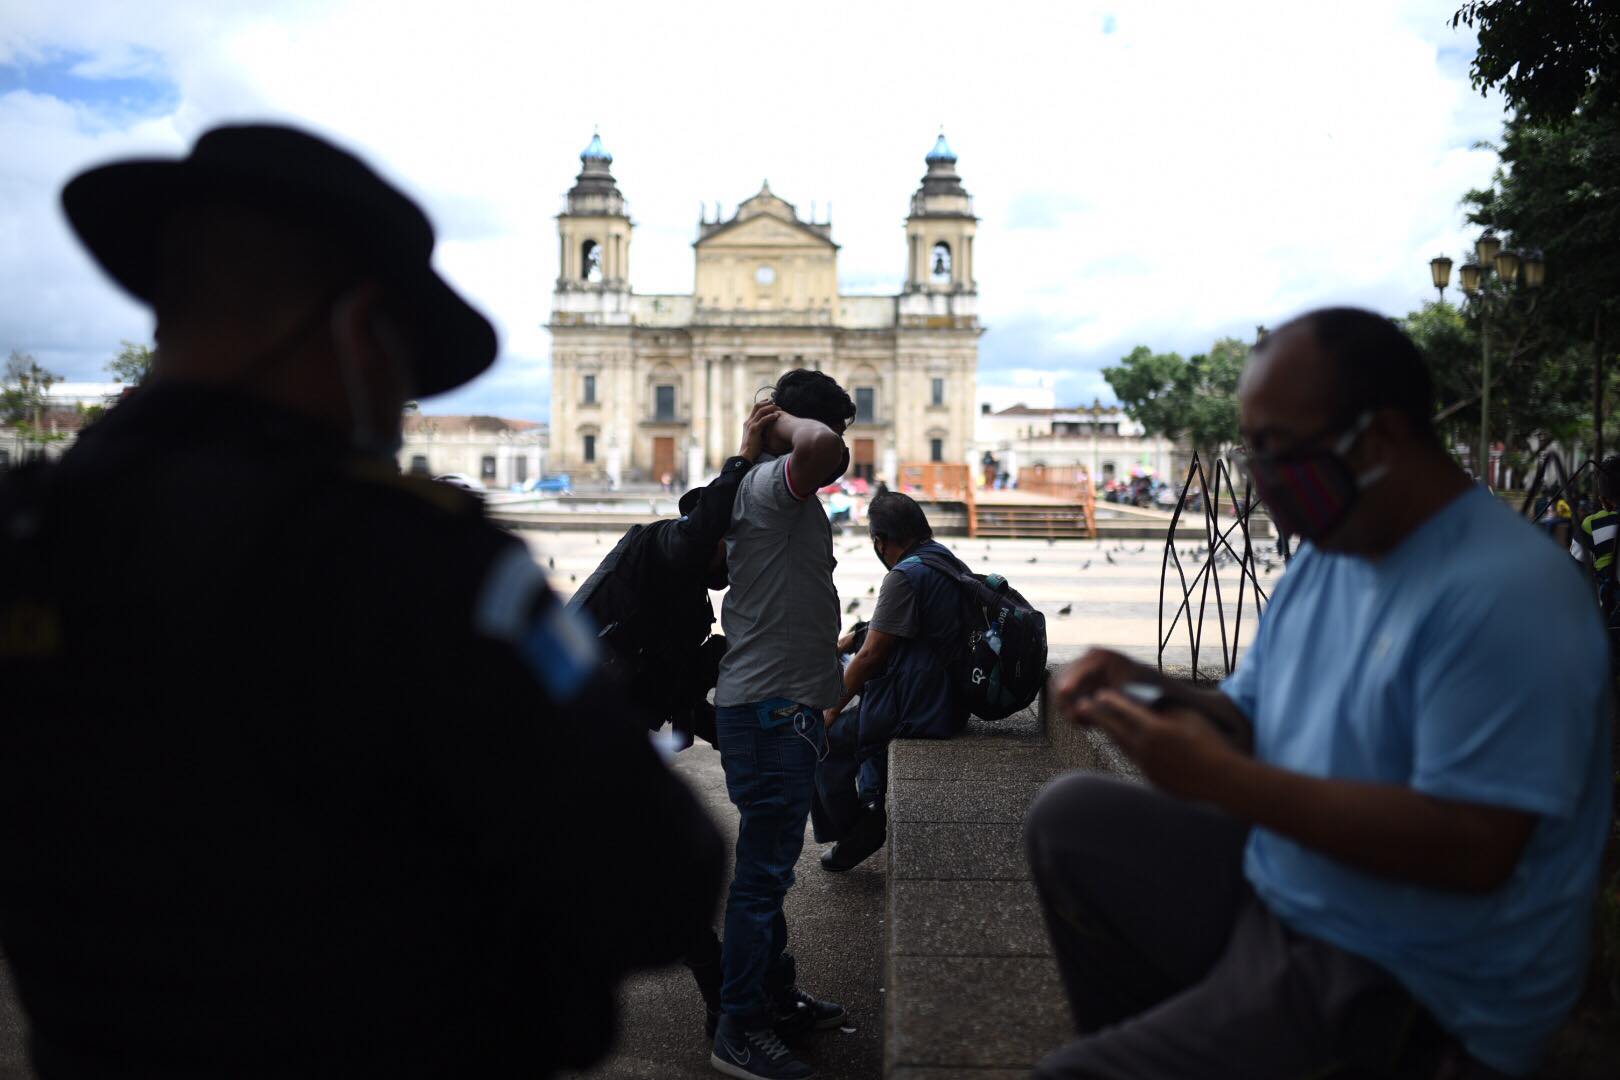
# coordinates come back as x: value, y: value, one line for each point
x: 766, y: 219
x: 765, y: 230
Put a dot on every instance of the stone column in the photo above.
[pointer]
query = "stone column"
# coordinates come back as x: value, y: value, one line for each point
x: 696, y: 473
x: 716, y: 372
x: 615, y: 462
x: 741, y: 402
x: 698, y: 404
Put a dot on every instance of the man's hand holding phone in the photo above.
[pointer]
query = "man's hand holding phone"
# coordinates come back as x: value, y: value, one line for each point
x: 1097, y: 670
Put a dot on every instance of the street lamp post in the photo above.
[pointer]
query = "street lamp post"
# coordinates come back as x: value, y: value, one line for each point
x: 1491, y: 255
x: 1440, y: 272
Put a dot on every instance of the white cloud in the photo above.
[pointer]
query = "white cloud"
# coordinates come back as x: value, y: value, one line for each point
x: 1145, y: 172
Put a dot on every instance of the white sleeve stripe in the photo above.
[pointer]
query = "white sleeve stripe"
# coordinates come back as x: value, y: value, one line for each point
x: 507, y: 595
x: 1605, y: 534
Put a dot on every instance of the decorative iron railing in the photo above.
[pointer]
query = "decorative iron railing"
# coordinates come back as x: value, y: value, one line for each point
x: 1223, y: 543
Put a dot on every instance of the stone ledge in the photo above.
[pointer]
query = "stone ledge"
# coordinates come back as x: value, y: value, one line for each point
x: 965, y: 918
x: 973, y: 1012
x: 947, y: 851
x: 964, y: 801
x: 975, y: 1073
x: 972, y: 990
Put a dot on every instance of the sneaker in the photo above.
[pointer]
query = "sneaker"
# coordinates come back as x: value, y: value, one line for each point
x: 755, y: 1054
x: 796, y: 1011
x: 864, y: 839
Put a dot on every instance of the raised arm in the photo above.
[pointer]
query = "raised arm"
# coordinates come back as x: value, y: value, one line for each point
x: 813, y: 450
x: 689, y: 543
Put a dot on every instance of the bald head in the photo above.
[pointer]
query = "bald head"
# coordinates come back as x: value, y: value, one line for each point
x: 1321, y: 372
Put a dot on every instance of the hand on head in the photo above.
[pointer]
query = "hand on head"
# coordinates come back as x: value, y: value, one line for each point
x: 757, y: 429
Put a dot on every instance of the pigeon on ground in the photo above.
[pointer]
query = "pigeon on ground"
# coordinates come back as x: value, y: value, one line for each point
x: 551, y: 563
x: 1065, y: 609
x: 870, y: 589
x: 572, y: 579
x: 1086, y: 565
x: 1140, y: 548
x: 1110, y: 557
x: 853, y: 604
x: 1033, y: 559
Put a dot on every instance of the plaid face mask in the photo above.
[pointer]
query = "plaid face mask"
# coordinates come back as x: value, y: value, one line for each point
x: 1311, y: 492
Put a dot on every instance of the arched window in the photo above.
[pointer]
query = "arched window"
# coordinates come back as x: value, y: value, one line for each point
x: 590, y: 261
x: 940, y: 263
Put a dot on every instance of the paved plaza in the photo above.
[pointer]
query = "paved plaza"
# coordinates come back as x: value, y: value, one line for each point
x: 1110, y: 587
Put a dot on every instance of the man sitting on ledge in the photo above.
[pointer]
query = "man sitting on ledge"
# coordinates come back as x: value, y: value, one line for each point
x: 1375, y: 848
x: 903, y: 672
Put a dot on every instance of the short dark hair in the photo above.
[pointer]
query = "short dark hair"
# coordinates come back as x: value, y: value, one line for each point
x: 1608, y: 478
x: 1376, y: 366
x: 897, y: 517
x: 813, y: 396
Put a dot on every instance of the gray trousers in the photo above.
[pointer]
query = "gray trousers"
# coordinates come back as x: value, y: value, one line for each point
x: 1174, y: 968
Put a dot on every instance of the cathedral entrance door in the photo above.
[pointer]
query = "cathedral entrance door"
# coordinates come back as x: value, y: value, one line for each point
x: 865, y: 459
x: 663, y: 457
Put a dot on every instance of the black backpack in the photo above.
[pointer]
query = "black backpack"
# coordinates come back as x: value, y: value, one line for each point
x: 1003, y: 666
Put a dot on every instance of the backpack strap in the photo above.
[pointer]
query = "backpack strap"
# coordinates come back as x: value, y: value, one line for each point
x: 971, y: 583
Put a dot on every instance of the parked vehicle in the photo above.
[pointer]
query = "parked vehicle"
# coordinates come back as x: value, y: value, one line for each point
x: 561, y: 484
x: 462, y: 481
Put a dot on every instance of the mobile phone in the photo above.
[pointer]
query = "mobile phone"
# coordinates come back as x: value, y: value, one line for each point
x: 1148, y: 695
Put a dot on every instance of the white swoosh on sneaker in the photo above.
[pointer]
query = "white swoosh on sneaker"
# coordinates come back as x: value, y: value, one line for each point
x: 741, y: 1059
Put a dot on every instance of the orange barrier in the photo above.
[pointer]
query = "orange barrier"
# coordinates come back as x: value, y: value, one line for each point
x: 941, y: 482
x: 1072, y: 483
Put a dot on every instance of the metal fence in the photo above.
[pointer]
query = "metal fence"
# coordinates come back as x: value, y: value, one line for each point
x: 1196, y: 572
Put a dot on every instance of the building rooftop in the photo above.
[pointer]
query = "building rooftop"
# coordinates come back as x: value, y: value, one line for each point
x: 942, y: 150
x: 466, y: 425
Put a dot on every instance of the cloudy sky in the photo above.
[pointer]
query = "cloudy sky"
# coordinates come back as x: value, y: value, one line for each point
x: 1151, y: 173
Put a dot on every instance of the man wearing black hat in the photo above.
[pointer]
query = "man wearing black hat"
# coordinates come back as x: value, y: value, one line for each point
x: 304, y: 770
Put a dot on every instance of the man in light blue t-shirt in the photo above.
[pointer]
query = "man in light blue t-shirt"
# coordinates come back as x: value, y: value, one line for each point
x: 1394, y: 810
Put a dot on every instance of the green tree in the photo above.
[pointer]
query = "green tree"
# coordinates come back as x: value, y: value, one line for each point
x: 1548, y: 57
x: 1555, y: 190
x: 24, y: 398
x: 132, y: 364
x: 1176, y: 397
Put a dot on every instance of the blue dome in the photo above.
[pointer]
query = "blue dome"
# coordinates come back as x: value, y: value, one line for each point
x: 596, y: 151
x: 941, y: 151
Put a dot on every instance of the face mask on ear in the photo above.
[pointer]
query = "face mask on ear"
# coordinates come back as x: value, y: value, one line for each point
x: 1310, y: 494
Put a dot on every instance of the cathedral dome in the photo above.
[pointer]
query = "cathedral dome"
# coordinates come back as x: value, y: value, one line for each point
x: 597, y: 152
x: 941, y: 152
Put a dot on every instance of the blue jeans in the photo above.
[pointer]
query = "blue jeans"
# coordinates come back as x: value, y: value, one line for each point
x: 769, y: 751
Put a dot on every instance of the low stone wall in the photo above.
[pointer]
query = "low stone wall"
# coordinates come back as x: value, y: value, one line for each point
x: 971, y: 989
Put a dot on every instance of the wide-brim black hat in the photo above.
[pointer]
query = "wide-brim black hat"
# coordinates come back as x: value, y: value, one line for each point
x: 119, y: 210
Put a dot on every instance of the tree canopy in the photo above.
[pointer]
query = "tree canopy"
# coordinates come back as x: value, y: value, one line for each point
x: 132, y: 364
x: 1550, y: 58
x: 1172, y: 396
x: 24, y: 397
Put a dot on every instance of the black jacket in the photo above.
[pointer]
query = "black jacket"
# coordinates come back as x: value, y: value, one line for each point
x: 304, y: 771
x: 649, y: 601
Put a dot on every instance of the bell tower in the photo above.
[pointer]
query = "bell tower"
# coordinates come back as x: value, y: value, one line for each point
x: 939, y: 231
x: 594, y: 228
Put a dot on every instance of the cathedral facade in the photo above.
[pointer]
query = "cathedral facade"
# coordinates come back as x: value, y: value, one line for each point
x: 646, y: 386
